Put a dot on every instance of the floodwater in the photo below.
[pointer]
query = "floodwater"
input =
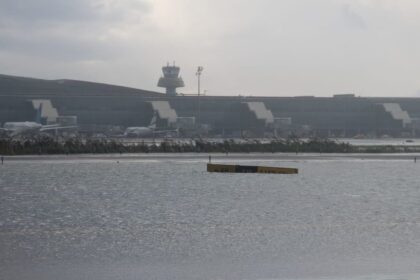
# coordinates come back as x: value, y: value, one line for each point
x: 381, y: 142
x: 167, y: 218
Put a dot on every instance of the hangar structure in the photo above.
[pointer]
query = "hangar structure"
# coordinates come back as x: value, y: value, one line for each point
x: 100, y: 108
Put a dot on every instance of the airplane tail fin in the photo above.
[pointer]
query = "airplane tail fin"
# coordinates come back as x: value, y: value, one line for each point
x: 38, y: 117
x: 152, y: 124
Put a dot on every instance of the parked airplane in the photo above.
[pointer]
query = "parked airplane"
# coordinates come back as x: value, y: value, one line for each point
x: 18, y: 128
x: 144, y: 131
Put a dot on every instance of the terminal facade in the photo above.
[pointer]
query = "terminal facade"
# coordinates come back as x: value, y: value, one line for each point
x: 106, y: 109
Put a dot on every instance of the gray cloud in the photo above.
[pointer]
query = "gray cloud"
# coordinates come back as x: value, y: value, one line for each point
x: 66, y: 10
x: 57, y: 47
x: 67, y: 30
x: 49, y: 10
x: 351, y: 17
x: 247, y: 47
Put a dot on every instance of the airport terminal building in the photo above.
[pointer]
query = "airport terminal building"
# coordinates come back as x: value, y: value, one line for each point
x: 101, y: 108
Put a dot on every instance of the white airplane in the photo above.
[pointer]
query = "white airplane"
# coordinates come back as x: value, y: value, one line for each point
x: 17, y: 128
x: 144, y: 131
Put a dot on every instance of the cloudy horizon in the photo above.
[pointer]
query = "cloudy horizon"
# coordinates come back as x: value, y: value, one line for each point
x: 247, y: 47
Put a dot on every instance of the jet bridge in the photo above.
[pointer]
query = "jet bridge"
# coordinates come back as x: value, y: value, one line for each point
x: 397, y: 113
x: 165, y: 111
x: 261, y: 112
x: 49, y: 112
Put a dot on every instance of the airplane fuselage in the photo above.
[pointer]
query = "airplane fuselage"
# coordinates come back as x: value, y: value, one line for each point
x: 16, y: 128
x: 138, y: 131
x: 19, y: 127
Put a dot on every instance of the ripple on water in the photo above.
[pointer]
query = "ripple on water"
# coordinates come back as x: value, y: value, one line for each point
x: 170, y: 219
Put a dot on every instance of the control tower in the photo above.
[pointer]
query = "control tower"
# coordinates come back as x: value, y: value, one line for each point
x: 170, y: 79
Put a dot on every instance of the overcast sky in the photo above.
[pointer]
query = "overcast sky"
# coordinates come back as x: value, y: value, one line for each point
x: 247, y: 47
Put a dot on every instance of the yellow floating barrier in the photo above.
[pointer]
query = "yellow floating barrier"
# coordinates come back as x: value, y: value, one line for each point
x: 227, y: 168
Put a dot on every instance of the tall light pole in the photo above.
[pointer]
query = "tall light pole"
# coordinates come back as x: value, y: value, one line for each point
x: 198, y: 74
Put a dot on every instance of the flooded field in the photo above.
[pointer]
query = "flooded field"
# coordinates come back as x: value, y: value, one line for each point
x: 165, y: 217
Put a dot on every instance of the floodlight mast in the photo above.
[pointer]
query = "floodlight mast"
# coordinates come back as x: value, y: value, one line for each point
x: 198, y: 74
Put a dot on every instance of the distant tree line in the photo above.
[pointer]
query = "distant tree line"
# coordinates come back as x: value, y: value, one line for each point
x: 46, y: 145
